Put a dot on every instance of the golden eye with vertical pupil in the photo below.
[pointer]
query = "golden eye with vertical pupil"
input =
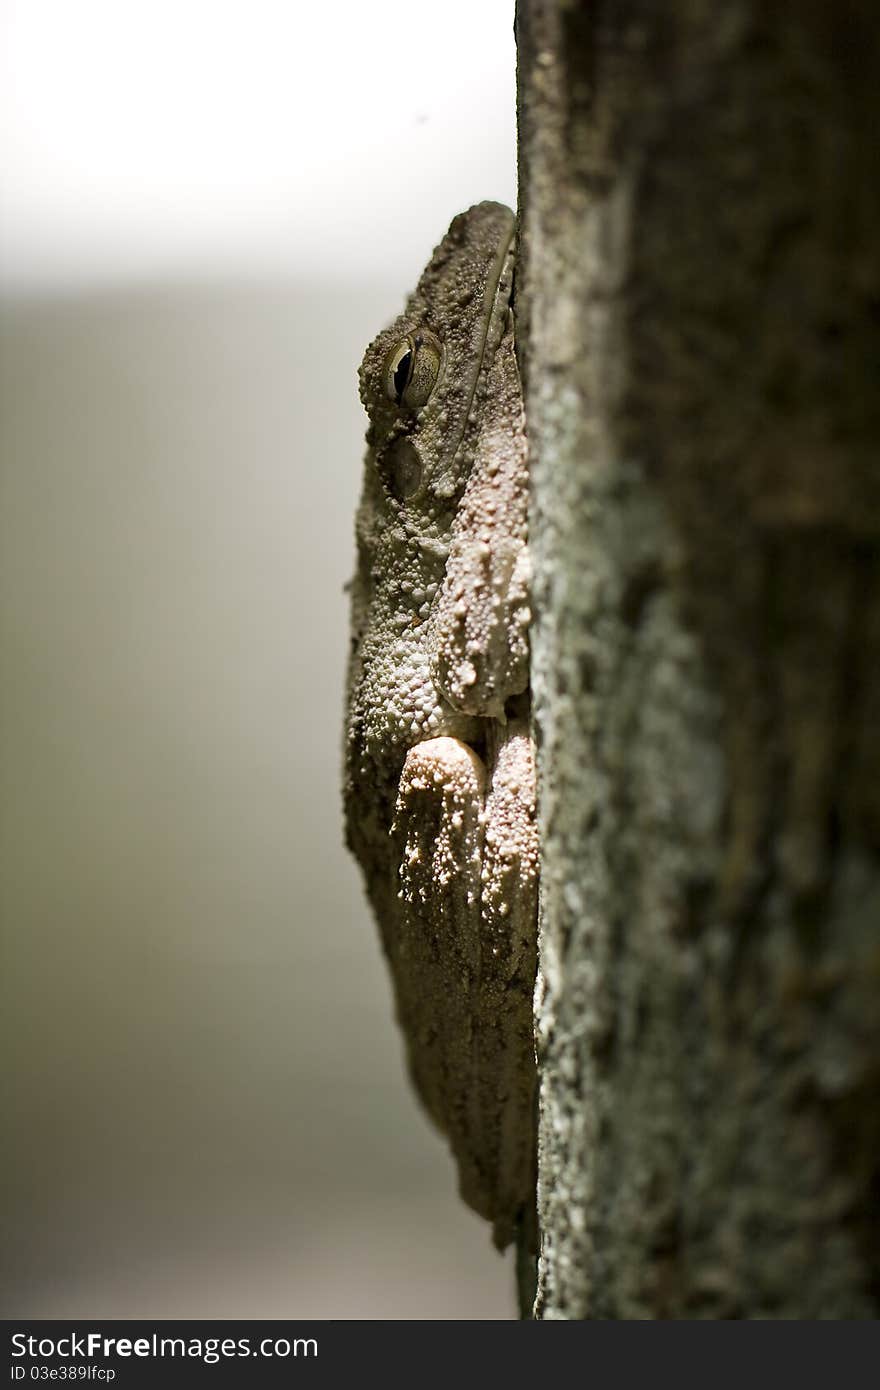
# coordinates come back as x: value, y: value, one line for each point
x: 412, y: 369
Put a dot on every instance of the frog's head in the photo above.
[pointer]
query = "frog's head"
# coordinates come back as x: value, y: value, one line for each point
x: 423, y: 378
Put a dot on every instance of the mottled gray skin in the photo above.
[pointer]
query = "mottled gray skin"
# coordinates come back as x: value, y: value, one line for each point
x: 439, y: 771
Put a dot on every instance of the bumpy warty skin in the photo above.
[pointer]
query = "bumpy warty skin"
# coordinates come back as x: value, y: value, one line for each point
x: 439, y: 769
x: 402, y: 546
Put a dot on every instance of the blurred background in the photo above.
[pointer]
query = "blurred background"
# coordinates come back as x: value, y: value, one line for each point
x: 207, y: 209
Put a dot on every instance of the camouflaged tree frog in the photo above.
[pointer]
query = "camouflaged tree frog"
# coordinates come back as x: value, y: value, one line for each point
x: 439, y: 761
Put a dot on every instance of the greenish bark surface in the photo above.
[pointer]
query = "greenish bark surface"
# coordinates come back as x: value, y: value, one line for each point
x: 698, y: 304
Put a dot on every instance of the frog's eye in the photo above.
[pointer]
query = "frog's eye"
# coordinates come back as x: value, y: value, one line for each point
x: 412, y: 369
x: 402, y: 467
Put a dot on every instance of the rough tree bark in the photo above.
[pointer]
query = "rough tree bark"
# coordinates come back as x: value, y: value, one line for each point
x: 698, y: 307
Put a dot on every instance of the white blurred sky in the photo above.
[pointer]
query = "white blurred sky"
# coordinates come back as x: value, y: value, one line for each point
x: 331, y: 138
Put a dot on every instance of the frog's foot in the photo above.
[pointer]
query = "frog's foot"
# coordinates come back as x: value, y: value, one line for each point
x: 503, y: 1094
x: 466, y: 846
x: 437, y: 835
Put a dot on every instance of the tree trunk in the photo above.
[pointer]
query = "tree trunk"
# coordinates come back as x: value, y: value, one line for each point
x: 698, y: 304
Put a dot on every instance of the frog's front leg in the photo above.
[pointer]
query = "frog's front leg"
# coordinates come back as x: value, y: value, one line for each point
x: 466, y: 845
x: 479, y: 635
